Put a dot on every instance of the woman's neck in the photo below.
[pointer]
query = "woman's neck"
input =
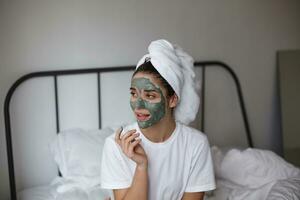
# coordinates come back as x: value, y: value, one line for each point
x: 161, y: 131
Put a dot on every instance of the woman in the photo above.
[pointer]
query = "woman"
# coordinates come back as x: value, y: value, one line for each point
x: 159, y: 157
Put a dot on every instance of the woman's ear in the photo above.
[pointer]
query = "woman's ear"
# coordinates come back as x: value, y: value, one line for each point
x: 173, y: 100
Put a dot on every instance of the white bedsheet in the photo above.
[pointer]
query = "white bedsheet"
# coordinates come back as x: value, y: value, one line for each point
x: 49, y: 192
x: 287, y: 189
x: 249, y: 174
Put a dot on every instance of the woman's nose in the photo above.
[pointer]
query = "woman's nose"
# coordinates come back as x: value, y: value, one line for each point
x: 140, y: 104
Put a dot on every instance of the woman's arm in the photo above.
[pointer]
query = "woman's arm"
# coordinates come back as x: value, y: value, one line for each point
x: 193, y: 196
x: 138, y: 189
x: 131, y: 147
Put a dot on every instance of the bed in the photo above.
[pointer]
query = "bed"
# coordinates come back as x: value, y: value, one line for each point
x: 45, y: 112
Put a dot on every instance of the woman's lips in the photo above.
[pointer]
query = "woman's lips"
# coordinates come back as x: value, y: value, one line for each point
x: 142, y: 117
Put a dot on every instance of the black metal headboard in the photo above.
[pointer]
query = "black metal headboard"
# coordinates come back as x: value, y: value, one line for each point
x: 98, y: 71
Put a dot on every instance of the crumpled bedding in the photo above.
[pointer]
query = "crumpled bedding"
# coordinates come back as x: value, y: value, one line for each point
x: 253, y: 174
x: 249, y: 174
x: 49, y: 192
x: 285, y: 190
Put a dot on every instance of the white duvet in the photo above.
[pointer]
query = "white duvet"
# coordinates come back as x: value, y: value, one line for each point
x: 250, y: 174
x: 49, y: 192
x: 254, y: 174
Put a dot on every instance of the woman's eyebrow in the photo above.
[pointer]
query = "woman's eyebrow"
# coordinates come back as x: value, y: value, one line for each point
x: 131, y: 88
x: 151, y: 90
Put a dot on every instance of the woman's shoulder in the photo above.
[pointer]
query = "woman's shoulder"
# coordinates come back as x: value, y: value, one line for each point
x: 192, y: 133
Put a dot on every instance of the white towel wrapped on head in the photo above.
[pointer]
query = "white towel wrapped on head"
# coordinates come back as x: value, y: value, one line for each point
x: 177, y: 68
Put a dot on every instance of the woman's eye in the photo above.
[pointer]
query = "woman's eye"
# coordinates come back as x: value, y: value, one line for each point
x: 133, y: 94
x: 150, y: 96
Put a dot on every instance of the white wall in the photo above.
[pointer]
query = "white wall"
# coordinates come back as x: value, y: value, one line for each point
x: 59, y: 34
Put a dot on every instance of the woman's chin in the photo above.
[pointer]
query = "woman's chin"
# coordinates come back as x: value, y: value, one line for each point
x: 144, y: 124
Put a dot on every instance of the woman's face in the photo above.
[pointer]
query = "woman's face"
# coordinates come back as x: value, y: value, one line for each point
x: 148, y: 99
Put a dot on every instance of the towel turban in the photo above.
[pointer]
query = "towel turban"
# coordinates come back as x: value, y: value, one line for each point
x: 177, y: 68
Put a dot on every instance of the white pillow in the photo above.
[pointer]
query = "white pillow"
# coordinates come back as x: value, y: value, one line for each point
x: 218, y: 154
x: 78, y: 153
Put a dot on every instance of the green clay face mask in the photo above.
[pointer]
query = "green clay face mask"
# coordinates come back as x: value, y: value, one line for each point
x: 156, y: 110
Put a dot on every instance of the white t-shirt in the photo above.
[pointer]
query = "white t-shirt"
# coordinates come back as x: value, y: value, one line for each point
x: 180, y: 164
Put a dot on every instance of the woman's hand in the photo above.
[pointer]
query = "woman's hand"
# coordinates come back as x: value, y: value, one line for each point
x: 131, y: 147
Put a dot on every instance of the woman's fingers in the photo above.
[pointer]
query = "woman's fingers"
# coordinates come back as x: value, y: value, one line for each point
x: 125, y: 136
x: 122, y: 140
x: 131, y: 147
x: 139, y: 156
x: 132, y: 137
x: 129, y: 140
x: 118, y: 134
x: 140, y: 150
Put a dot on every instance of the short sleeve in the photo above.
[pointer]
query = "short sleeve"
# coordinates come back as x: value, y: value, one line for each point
x: 201, y: 176
x: 115, y: 170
